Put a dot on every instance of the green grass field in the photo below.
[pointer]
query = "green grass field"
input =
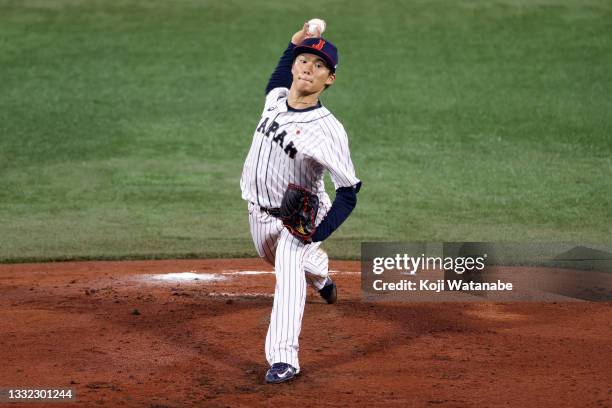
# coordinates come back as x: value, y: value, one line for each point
x: 124, y: 124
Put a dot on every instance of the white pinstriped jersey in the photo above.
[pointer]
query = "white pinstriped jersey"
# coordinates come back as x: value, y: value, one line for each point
x: 295, y: 147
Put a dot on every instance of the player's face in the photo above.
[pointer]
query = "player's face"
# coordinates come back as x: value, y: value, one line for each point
x: 310, y: 74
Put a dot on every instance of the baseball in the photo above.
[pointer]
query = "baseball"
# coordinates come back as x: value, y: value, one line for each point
x: 314, y: 24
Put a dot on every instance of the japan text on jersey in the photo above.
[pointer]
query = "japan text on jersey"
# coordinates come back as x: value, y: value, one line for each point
x: 292, y: 146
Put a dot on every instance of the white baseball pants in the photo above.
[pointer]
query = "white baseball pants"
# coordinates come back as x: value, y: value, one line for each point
x: 295, y: 264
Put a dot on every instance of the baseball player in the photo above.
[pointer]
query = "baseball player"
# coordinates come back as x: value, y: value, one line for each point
x: 296, y: 140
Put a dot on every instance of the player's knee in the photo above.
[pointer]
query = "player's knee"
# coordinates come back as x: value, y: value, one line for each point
x: 321, y: 258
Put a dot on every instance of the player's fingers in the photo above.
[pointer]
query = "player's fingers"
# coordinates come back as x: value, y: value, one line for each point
x: 316, y: 34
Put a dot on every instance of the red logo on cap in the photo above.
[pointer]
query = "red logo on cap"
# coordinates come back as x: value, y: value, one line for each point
x: 319, y: 45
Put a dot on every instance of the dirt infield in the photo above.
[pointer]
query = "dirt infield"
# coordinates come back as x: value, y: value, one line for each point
x: 122, y: 336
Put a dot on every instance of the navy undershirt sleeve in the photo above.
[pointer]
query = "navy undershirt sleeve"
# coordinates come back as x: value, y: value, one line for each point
x: 344, y: 203
x: 282, y: 77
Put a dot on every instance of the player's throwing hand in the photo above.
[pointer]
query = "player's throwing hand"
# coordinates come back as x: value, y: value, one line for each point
x: 303, y: 34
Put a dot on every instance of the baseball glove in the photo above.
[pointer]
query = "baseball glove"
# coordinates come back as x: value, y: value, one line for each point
x: 298, y: 211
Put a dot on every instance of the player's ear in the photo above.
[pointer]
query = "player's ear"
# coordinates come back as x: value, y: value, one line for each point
x: 330, y: 79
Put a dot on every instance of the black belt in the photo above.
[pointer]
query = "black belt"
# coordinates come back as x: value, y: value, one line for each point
x: 275, y: 212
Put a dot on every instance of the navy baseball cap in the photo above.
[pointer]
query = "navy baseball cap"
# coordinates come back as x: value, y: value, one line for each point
x: 320, y: 47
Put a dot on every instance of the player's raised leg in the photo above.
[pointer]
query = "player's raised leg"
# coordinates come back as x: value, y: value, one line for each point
x: 265, y: 231
x: 316, y: 265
